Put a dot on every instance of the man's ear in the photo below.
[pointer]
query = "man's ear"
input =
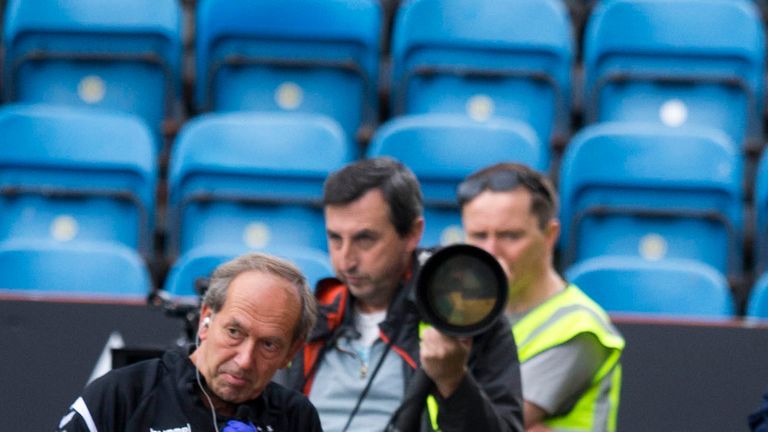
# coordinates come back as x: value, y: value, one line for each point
x: 552, y: 233
x: 206, y: 315
x: 417, y: 230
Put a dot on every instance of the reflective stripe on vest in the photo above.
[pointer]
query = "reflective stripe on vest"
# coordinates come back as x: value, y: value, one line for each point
x: 432, y: 406
x: 558, y: 320
x: 432, y: 409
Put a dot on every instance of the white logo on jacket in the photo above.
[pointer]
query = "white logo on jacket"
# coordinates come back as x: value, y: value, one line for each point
x: 186, y: 428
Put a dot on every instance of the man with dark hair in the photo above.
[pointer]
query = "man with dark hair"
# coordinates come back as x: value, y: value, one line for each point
x: 362, y: 355
x: 568, y: 348
x: 255, y: 316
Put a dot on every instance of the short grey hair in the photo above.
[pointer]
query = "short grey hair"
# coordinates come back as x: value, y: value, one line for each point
x: 222, y: 277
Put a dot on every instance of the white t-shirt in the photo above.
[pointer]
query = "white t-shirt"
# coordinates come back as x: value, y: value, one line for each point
x: 367, y: 324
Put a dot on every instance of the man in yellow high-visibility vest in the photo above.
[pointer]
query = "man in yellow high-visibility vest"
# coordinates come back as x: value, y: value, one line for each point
x: 569, y: 350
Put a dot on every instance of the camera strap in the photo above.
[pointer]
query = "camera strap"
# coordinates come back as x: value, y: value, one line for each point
x: 367, y: 388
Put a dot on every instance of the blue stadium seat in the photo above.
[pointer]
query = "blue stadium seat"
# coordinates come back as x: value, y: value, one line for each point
x: 202, y: 261
x: 122, y: 55
x: 487, y: 59
x: 655, y: 192
x: 683, y: 62
x: 252, y: 179
x: 761, y: 215
x: 82, y: 269
x: 442, y: 149
x: 757, y: 303
x: 672, y: 288
x: 71, y: 174
x: 290, y: 55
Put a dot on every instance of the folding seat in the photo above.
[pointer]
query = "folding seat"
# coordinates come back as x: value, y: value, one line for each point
x: 757, y: 303
x: 123, y: 55
x: 193, y: 268
x: 683, y: 62
x: 72, y: 174
x: 761, y: 215
x: 442, y: 149
x: 78, y: 269
x: 655, y: 192
x: 290, y: 55
x: 676, y: 287
x: 486, y: 59
x: 252, y: 179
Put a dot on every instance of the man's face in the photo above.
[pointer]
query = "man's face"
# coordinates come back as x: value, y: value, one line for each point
x: 250, y: 337
x: 502, y: 224
x: 366, y: 251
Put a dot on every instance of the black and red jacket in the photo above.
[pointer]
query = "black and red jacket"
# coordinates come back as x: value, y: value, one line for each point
x: 488, y: 400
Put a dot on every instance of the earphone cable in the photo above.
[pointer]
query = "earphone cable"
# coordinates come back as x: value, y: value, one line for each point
x: 202, y: 389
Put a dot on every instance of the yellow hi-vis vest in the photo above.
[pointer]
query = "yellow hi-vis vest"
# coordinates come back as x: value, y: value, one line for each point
x: 558, y: 320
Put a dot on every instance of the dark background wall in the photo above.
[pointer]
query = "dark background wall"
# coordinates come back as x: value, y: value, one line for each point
x: 691, y: 377
x: 677, y: 376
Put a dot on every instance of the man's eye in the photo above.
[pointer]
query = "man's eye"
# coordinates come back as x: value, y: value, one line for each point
x: 477, y: 236
x: 510, y: 235
x: 233, y: 332
x: 270, y: 346
x: 365, y: 242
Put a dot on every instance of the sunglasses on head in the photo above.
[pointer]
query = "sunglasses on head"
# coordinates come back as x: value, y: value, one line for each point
x: 500, y: 181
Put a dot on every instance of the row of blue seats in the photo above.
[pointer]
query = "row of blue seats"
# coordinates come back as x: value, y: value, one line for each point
x: 677, y: 288
x: 675, y: 63
x: 111, y: 271
x: 256, y: 179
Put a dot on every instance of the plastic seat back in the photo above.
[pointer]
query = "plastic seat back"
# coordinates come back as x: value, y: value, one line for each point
x: 72, y: 174
x: 291, y: 55
x: 761, y: 215
x: 198, y: 264
x: 83, y: 269
x: 757, y: 303
x: 654, y: 192
x: 252, y: 179
x: 442, y: 149
x: 485, y: 59
x: 677, y: 288
x: 123, y: 55
x: 677, y: 63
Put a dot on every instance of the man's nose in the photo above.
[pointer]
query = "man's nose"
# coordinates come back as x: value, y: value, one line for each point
x: 245, y: 357
x: 491, y: 245
x: 348, y: 255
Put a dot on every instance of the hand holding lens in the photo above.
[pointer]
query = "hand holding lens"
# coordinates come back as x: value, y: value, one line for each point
x: 461, y: 290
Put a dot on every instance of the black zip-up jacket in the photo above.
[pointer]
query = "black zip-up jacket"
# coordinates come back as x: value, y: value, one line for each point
x: 490, y: 397
x: 161, y: 395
